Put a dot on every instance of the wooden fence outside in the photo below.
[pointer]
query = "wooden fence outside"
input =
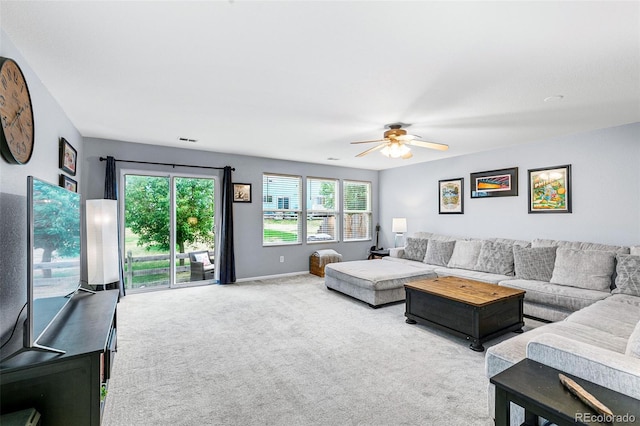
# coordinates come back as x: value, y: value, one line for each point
x: 130, y: 273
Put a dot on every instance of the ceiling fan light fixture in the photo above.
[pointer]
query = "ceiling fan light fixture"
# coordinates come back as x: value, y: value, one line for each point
x: 395, y: 150
x: 395, y: 141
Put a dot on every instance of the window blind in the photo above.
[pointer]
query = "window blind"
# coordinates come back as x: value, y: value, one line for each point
x: 322, y: 209
x: 356, y: 207
x: 281, y: 209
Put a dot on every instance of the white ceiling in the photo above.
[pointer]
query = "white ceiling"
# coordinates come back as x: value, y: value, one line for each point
x: 299, y: 80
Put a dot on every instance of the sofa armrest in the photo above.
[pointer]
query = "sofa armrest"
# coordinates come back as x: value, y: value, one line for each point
x: 603, y: 367
x: 396, y: 251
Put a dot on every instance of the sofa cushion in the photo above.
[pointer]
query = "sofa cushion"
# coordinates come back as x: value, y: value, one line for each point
x: 562, y: 296
x: 413, y: 263
x: 545, y: 312
x: 202, y: 258
x: 496, y: 258
x: 375, y: 274
x: 415, y: 249
x: 628, y: 275
x: 508, y: 352
x: 635, y: 250
x: 521, y: 243
x: 633, y: 346
x: 590, y: 269
x: 606, y: 315
x: 578, y: 245
x: 465, y: 254
x: 625, y: 299
x: 534, y: 263
x: 485, y: 277
x: 439, y: 252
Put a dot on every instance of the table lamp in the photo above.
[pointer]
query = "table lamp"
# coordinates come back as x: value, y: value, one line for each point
x: 399, y: 227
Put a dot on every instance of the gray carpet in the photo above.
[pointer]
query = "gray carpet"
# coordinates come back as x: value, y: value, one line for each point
x: 286, y: 352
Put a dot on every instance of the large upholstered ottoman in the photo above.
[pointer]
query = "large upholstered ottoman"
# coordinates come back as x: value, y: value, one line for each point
x: 375, y: 282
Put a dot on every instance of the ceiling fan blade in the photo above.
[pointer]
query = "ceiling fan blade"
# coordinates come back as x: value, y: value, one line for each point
x: 407, y: 138
x: 375, y: 148
x: 377, y: 140
x: 407, y: 156
x: 432, y: 145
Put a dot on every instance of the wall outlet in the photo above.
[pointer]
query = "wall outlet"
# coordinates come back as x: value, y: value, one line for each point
x: 281, y: 259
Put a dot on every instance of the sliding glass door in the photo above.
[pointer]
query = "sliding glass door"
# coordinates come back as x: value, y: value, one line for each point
x: 169, y: 230
x: 194, y: 229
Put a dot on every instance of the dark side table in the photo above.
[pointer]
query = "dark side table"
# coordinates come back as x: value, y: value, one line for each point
x: 537, y: 388
x: 377, y: 254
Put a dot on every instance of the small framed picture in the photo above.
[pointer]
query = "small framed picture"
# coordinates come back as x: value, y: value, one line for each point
x: 68, y: 157
x: 67, y: 183
x: 241, y: 192
x: 495, y: 183
x: 451, y: 196
x: 550, y: 189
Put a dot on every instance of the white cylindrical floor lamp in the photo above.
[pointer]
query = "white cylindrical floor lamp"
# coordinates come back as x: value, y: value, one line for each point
x: 399, y: 227
x: 102, y: 242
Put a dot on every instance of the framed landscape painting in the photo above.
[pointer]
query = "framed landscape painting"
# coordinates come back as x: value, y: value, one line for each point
x: 451, y: 196
x: 550, y: 189
x: 495, y: 183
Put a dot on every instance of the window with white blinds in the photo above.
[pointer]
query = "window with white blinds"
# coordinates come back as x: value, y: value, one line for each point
x: 356, y: 209
x: 281, y: 209
x: 322, y: 209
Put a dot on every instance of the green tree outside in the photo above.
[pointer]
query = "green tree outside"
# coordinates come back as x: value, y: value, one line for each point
x: 328, y: 191
x: 147, y: 211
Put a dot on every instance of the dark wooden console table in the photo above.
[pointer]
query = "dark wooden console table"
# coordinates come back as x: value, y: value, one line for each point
x: 537, y: 388
x: 66, y: 389
x: 471, y: 309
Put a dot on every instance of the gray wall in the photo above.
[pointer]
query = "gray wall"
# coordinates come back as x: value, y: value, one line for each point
x: 252, y: 259
x: 50, y: 123
x: 605, y: 179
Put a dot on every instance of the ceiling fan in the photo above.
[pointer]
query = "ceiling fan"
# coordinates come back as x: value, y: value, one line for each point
x: 396, y: 139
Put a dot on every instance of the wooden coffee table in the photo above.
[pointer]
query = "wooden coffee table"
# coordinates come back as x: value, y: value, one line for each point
x: 471, y: 309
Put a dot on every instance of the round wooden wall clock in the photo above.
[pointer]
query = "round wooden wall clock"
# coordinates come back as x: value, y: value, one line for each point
x: 16, y: 114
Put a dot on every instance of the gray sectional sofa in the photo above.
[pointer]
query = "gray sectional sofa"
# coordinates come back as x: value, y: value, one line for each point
x: 589, y: 293
x: 560, y: 277
x: 599, y: 343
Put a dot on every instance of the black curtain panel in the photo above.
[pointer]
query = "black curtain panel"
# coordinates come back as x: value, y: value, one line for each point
x: 227, y: 256
x: 111, y: 193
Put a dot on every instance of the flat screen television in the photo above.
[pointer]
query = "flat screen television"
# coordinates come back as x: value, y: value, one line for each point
x: 53, y: 256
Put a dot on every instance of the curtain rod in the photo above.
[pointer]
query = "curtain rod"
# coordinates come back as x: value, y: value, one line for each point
x: 166, y: 164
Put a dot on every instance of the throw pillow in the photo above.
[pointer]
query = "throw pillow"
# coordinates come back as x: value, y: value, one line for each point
x: 439, y: 252
x: 415, y: 249
x: 496, y: 258
x: 628, y: 278
x: 465, y: 254
x: 589, y: 269
x: 203, y: 258
x: 534, y: 263
x: 633, y: 345
x: 635, y: 250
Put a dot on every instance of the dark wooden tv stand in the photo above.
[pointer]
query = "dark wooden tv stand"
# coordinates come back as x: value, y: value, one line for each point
x: 66, y: 389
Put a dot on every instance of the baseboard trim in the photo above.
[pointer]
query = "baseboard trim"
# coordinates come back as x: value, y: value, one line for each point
x: 269, y: 277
